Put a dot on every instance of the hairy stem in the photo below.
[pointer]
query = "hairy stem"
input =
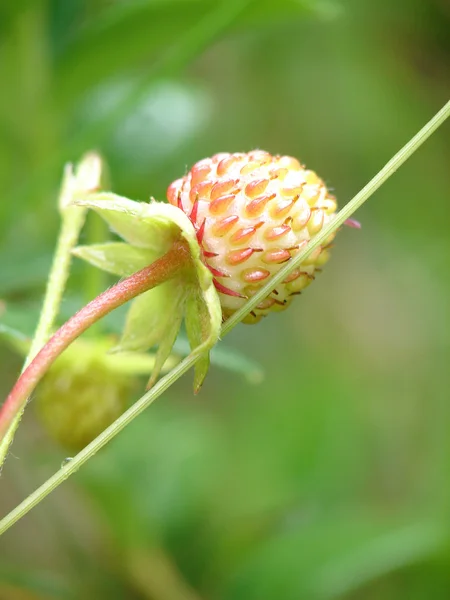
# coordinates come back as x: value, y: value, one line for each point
x: 71, y: 225
x: 161, y: 270
x: 68, y: 238
x: 86, y: 178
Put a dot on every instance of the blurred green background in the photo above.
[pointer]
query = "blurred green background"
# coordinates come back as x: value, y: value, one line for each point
x: 331, y: 480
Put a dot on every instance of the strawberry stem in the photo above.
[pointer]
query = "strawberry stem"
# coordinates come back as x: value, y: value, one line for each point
x: 85, y: 178
x: 158, y: 272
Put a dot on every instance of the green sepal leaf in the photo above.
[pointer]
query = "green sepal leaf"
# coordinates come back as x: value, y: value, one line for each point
x: 97, y: 349
x: 210, y: 316
x: 137, y: 363
x: 155, y: 317
x: 150, y: 317
x: 198, y: 325
x: 167, y: 342
x: 152, y: 225
x: 116, y: 257
x: 86, y: 178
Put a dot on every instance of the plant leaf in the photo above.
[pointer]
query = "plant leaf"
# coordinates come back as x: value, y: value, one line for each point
x: 327, y: 560
x: 23, y: 268
x: 202, y: 327
x: 150, y: 316
x: 20, y: 583
x: 15, y: 338
x: 227, y: 358
x: 168, y: 340
x: 155, y: 316
x: 137, y: 363
x: 196, y: 320
x: 231, y: 359
x: 116, y: 257
x: 145, y: 28
x: 86, y: 178
x: 152, y: 225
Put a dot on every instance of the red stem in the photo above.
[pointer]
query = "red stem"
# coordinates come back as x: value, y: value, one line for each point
x: 158, y: 272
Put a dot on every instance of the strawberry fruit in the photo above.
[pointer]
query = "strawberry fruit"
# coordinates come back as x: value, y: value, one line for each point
x: 252, y: 213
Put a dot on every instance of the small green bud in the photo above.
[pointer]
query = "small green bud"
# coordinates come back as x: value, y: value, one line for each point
x: 77, y: 405
x: 87, y: 389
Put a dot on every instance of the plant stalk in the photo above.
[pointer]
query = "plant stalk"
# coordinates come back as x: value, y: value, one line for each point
x: 72, y: 222
x: 356, y: 202
x: 158, y: 272
x: 86, y: 178
x: 68, y: 238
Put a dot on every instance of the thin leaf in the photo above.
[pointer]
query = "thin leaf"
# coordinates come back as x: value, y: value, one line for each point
x: 197, y: 329
x: 149, y: 322
x: 116, y: 257
x: 153, y: 225
x: 38, y: 585
x: 150, y: 317
x: 20, y: 271
x: 129, y: 32
x: 228, y: 358
x: 325, y: 560
x: 168, y: 340
x: 233, y: 360
x: 15, y: 338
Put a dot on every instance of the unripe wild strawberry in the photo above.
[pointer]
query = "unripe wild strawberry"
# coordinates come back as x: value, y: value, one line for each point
x: 87, y: 389
x: 77, y: 403
x: 252, y: 213
x: 76, y: 407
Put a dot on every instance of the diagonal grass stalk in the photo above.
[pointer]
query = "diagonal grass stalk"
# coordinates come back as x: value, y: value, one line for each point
x: 352, y: 206
x: 147, y: 399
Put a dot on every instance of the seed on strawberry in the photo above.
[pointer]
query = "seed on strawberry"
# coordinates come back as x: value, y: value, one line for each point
x: 252, y: 213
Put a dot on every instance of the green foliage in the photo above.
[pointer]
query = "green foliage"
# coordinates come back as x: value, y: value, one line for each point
x: 155, y: 317
x: 331, y: 479
x: 35, y: 584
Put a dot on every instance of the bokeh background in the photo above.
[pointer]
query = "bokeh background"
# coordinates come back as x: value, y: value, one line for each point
x: 331, y: 479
